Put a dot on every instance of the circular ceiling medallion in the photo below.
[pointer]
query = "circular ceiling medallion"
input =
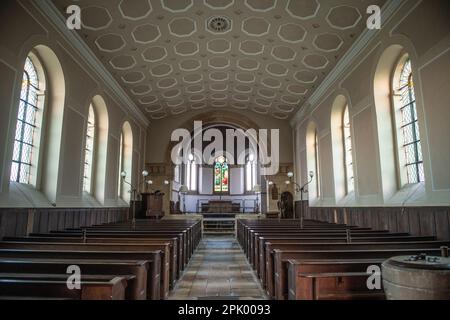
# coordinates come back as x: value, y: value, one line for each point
x: 219, y: 24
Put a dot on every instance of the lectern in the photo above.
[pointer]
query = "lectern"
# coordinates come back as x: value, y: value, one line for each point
x: 152, y: 205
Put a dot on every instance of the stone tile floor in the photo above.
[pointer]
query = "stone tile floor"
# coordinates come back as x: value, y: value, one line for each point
x: 218, y: 270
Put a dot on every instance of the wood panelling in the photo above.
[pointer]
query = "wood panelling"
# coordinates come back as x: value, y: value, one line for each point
x: 19, y: 222
x: 415, y: 220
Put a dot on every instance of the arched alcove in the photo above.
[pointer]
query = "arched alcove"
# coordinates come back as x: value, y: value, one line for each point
x: 125, y: 161
x: 313, y: 163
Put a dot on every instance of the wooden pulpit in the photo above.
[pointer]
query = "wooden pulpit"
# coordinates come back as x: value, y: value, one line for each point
x: 152, y: 205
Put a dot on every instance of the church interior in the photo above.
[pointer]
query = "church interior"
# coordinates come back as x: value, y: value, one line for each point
x: 224, y: 149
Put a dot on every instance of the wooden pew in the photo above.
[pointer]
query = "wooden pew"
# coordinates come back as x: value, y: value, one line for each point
x: 174, y: 260
x: 259, y: 253
x: 278, y: 288
x: 113, y: 289
x: 301, y: 288
x: 153, y: 257
x: 337, y: 286
x: 165, y: 259
x: 136, y: 288
x: 340, y: 246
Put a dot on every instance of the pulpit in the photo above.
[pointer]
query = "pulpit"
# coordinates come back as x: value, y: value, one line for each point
x: 152, y: 205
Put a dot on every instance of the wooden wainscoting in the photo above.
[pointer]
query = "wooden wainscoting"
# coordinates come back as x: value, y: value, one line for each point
x: 19, y: 222
x: 415, y: 220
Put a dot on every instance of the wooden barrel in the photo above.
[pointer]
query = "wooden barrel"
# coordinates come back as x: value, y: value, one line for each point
x: 416, y: 278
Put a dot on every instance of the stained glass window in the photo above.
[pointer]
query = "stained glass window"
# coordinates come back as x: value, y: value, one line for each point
x: 221, y: 175
x: 26, y: 125
x: 410, y: 126
x: 348, y: 157
x: 89, y: 151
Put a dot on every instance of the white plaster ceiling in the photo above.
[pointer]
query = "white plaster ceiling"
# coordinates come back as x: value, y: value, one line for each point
x: 270, y: 60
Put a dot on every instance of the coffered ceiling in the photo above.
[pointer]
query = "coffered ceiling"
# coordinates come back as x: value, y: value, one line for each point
x: 175, y: 56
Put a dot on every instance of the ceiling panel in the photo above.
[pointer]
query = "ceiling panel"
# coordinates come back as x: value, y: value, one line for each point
x: 265, y: 56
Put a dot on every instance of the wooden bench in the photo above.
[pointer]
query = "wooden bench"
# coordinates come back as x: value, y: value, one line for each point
x: 175, y: 269
x: 153, y: 257
x: 340, y: 246
x: 337, y: 286
x: 136, y: 288
x: 113, y: 289
x: 297, y: 268
x: 163, y: 247
x: 277, y: 286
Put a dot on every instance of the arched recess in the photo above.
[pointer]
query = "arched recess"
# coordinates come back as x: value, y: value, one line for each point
x: 342, y: 185
x: 45, y: 175
x: 313, y: 163
x: 100, y: 147
x: 388, y: 130
x: 125, y: 161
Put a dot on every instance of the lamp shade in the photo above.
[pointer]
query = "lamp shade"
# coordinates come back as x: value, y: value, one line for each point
x: 145, y: 173
x: 290, y: 174
x: 257, y: 188
x: 184, y: 189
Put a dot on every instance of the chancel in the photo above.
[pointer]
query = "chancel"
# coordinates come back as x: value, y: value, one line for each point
x: 184, y: 150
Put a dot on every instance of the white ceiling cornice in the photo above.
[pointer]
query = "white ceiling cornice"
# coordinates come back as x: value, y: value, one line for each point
x: 364, y: 40
x: 57, y: 20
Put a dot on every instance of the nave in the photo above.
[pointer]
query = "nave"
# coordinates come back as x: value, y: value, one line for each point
x: 218, y: 270
x: 169, y: 259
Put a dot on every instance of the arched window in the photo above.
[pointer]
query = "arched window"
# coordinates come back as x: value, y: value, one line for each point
x: 348, y: 149
x: 191, y: 173
x: 27, y: 133
x: 408, y: 139
x: 89, y: 150
x: 221, y: 175
x: 250, y: 172
x: 312, y: 160
x: 317, y: 167
x: 176, y: 173
x: 121, y: 169
x: 125, y: 162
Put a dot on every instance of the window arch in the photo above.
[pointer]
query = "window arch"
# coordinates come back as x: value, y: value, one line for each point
x: 89, y: 151
x: 313, y: 161
x: 342, y: 148
x: 408, y: 133
x: 221, y: 175
x: 396, y: 114
x: 191, y: 173
x: 250, y: 172
x: 29, y: 123
x: 348, y: 150
x: 125, y: 161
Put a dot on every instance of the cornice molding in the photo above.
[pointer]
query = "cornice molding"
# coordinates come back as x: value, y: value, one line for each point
x: 367, y: 36
x: 57, y: 20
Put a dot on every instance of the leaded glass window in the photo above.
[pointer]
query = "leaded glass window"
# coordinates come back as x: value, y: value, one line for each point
x: 348, y: 157
x: 191, y: 173
x: 221, y: 175
x: 26, y: 125
x: 250, y: 172
x: 410, y: 126
x: 316, y: 156
x: 119, y: 189
x: 89, y: 151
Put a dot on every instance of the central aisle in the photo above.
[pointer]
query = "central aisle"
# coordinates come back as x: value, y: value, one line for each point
x: 218, y: 270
